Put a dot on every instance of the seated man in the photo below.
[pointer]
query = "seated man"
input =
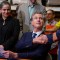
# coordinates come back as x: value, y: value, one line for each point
x: 50, y: 38
x: 25, y: 48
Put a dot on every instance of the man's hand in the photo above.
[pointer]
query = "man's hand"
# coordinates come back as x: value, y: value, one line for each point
x: 13, y: 54
x: 6, y: 54
x: 10, y: 54
x: 1, y: 48
x: 42, y: 39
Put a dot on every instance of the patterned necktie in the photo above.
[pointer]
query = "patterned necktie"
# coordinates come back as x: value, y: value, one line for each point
x: 34, y: 35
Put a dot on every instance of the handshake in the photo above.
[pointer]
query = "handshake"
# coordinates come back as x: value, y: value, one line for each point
x: 7, y: 54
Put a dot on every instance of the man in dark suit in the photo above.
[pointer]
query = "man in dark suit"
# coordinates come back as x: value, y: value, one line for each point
x: 25, y: 48
x: 50, y: 38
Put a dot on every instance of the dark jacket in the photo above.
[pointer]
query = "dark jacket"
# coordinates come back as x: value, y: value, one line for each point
x: 9, y: 31
x: 26, y: 49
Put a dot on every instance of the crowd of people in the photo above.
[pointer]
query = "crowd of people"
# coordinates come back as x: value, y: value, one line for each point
x: 41, y: 38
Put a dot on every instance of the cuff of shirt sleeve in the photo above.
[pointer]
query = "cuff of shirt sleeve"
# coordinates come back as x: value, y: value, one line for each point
x: 50, y: 38
x: 58, y: 34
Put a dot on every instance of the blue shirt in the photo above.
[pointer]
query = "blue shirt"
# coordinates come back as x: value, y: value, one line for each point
x: 31, y: 9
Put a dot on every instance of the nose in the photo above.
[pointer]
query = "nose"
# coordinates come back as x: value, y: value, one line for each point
x: 38, y: 20
x: 6, y: 11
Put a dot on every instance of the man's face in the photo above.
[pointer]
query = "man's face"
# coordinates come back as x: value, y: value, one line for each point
x: 37, y: 21
x: 33, y: 1
x: 49, y: 15
x: 5, y: 10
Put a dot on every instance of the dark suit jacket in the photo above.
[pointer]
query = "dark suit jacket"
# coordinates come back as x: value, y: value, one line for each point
x: 26, y: 49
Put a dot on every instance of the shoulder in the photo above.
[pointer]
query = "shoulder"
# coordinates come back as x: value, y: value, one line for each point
x: 58, y: 34
x: 22, y: 6
x: 14, y: 19
x: 27, y: 33
x: 54, y: 20
x: 40, y: 5
x: 58, y: 24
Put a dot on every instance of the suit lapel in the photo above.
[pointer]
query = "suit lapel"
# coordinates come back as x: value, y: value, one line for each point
x: 27, y: 17
x: 24, y: 9
x: 29, y: 41
x: 41, y: 33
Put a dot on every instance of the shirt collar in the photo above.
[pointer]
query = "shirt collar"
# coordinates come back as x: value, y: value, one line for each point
x: 30, y: 4
x: 38, y: 33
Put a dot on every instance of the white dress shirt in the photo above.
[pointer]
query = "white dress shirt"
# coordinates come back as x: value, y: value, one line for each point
x: 38, y: 33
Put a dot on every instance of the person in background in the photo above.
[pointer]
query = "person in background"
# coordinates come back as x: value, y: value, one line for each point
x: 56, y: 27
x: 44, y: 2
x: 9, y: 28
x: 25, y: 12
x: 50, y: 23
x: 25, y: 48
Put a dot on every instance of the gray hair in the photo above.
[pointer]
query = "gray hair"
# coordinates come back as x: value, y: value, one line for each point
x: 36, y: 13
